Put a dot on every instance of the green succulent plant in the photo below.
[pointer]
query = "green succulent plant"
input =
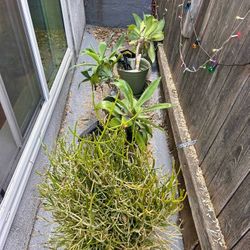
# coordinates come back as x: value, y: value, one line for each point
x: 101, y: 69
x: 144, y: 33
x: 132, y: 114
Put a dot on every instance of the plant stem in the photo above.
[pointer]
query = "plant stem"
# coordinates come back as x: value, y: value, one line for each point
x: 137, y: 54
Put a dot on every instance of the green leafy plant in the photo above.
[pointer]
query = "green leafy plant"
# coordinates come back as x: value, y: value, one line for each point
x: 144, y: 33
x: 105, y: 194
x: 101, y: 69
x: 131, y: 113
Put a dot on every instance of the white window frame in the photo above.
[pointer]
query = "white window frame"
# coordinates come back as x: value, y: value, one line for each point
x: 15, y: 190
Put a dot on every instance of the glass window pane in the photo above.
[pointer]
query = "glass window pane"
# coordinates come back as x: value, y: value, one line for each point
x: 49, y: 28
x: 8, y: 153
x: 17, y: 66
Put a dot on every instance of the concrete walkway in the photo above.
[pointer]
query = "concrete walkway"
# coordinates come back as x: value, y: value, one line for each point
x: 78, y: 109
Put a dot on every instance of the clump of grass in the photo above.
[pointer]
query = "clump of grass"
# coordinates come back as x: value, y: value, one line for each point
x: 104, y: 193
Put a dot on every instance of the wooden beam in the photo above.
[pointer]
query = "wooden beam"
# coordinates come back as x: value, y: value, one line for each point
x: 206, y: 223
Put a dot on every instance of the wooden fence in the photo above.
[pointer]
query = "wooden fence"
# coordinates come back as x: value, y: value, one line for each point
x: 216, y: 105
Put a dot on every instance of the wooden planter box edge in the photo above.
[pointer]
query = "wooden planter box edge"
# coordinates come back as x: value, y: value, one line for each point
x: 206, y: 223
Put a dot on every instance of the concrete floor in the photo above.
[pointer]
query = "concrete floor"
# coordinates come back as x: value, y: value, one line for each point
x: 78, y: 109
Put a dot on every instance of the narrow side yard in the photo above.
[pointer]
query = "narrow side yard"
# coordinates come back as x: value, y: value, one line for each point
x: 79, y: 111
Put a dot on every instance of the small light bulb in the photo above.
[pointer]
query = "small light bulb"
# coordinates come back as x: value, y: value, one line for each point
x: 194, y: 46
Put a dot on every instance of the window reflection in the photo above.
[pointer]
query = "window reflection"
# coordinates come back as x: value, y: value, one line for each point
x: 8, y: 152
x: 16, y: 65
x: 48, y: 23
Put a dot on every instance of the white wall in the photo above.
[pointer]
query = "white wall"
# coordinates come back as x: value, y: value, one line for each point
x: 78, y: 22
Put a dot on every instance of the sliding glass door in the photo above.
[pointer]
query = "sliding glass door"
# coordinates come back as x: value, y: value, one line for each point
x: 33, y: 46
x: 50, y: 34
x: 34, y: 60
x: 20, y: 93
x: 16, y: 65
x: 8, y: 152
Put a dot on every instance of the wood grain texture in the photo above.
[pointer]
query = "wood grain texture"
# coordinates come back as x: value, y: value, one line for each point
x: 244, y: 242
x: 235, y: 218
x: 2, y: 117
x: 191, y: 17
x: 216, y: 106
x: 232, y: 171
x: 189, y: 234
x: 227, y: 132
x: 219, y: 105
x: 207, y: 226
x: 203, y: 88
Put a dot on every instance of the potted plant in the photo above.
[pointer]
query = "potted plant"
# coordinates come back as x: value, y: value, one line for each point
x: 132, y: 114
x: 142, y: 36
x: 135, y: 77
x: 101, y: 69
x: 144, y: 33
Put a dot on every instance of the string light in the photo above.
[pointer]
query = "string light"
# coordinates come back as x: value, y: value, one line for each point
x: 196, y: 44
x: 215, y: 50
x: 210, y: 64
x: 239, y: 18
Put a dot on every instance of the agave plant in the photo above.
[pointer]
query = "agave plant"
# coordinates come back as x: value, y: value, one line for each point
x: 144, y: 33
x: 132, y: 114
x: 101, y: 70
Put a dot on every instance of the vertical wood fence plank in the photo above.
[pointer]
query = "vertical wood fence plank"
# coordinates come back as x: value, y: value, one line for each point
x: 216, y: 106
x: 244, y: 243
x: 232, y: 171
x: 230, y: 130
x: 205, y: 86
x: 225, y: 83
x: 235, y: 218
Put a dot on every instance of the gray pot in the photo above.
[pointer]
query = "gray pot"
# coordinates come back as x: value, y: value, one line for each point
x: 136, y: 79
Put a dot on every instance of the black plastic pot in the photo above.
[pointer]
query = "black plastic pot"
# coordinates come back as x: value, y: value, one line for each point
x: 95, y: 129
x: 136, y: 79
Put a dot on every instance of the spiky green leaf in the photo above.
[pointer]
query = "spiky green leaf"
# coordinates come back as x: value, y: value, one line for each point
x: 102, y: 49
x: 158, y: 106
x: 147, y: 94
x: 111, y: 107
x: 126, y: 90
x: 151, y: 52
x: 137, y: 19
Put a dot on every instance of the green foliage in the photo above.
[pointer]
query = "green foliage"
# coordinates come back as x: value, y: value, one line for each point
x: 101, y: 70
x: 105, y: 194
x: 146, y: 31
x: 131, y: 113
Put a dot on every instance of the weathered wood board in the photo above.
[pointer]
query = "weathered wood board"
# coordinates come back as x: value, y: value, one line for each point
x: 216, y: 105
x: 207, y: 226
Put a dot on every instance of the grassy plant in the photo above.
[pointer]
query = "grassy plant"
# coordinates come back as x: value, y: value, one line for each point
x: 105, y: 194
